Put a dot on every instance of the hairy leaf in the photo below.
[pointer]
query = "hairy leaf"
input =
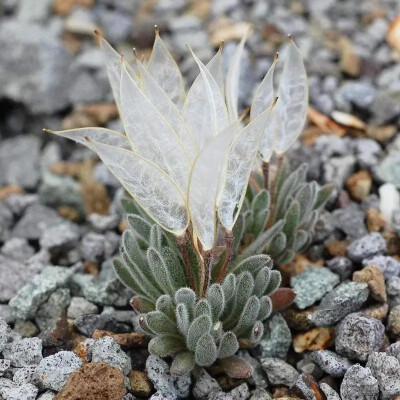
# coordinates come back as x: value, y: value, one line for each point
x: 182, y: 364
x: 206, y: 351
x: 182, y: 318
x: 198, y: 327
x: 166, y: 306
x: 248, y: 315
x: 165, y: 345
x: 216, y: 298
x: 235, y: 367
x: 228, y: 345
x: 159, y: 323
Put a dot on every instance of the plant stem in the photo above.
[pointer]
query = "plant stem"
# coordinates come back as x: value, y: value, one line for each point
x: 279, y: 161
x: 182, y: 247
x: 208, y: 259
x: 265, y: 170
x: 228, y: 254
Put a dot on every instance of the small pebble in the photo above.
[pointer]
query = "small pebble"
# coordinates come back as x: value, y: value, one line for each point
x: 358, y: 336
x: 358, y: 383
x: 333, y: 364
x: 279, y: 372
x: 373, y: 277
x: 367, y: 246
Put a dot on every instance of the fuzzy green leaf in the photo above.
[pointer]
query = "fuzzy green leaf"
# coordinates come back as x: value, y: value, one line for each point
x: 182, y: 364
x: 323, y: 195
x: 248, y: 315
x: 257, y: 332
x: 159, y: 270
x: 166, y: 306
x: 143, y: 324
x: 206, y: 351
x: 292, y: 218
x: 160, y: 323
x: 285, y: 257
x: 228, y: 345
x: 187, y: 297
x: 277, y: 245
x: 182, y: 318
x: 229, y: 286
x: 300, y: 240
x: 215, y: 295
x: 261, y: 281
x: 202, y: 308
x: 265, y: 308
x: 175, y: 268
x: 165, y: 345
x: 156, y: 236
x: 253, y: 264
x: 142, y: 305
x: 140, y: 227
x: 198, y: 327
x: 275, y: 280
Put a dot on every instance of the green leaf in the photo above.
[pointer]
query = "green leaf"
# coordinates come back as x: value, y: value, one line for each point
x: 285, y: 257
x: 182, y: 364
x: 292, y: 218
x: 257, y: 332
x: 182, y: 318
x: 198, y: 327
x: 131, y: 207
x: 229, y: 286
x: 187, y: 297
x: 143, y: 324
x: 248, y: 316
x: 275, y: 280
x: 140, y: 227
x: 253, y: 264
x: 165, y: 345
x: 166, y: 306
x: 261, y: 281
x: 160, y: 323
x: 159, y: 270
x: 141, y: 304
x: 258, y: 245
x: 206, y: 351
x: 216, y: 298
x: 265, y: 308
x: 175, y: 268
x: 323, y: 195
x: 277, y: 245
x: 156, y: 236
x: 300, y: 240
x: 202, y: 308
x: 228, y: 345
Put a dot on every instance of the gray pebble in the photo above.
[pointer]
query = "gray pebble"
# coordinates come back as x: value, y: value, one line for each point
x: 367, y: 246
x: 170, y: 386
x: 26, y: 375
x: 312, y: 284
x: 86, y: 324
x: 333, y: 364
x: 60, y: 237
x: 24, y: 352
x: 338, y: 169
x: 258, y: 377
x: 38, y: 290
x: 17, y: 249
x: 4, y: 366
x: 344, y: 299
x: 16, y: 392
x: 55, y: 370
x: 110, y: 292
x: 260, y: 394
x: 80, y: 306
x: 279, y: 372
x: 204, y: 385
x: 358, y: 383
x: 341, y: 266
x: 358, y: 336
x: 386, y: 369
x: 109, y: 351
x: 351, y: 221
x: 102, y: 223
x: 329, y: 393
x: 388, y: 265
x: 393, y: 291
x: 277, y: 338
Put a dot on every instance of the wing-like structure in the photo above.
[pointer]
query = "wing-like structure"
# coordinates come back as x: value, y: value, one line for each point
x: 240, y: 159
x: 153, y: 189
x: 204, y: 185
x: 163, y: 68
x: 152, y: 137
x: 292, y: 104
x: 101, y: 135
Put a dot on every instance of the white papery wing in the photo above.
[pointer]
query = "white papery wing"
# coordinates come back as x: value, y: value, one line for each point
x: 263, y: 98
x: 112, y: 60
x: 240, y: 160
x: 163, y: 68
x: 101, y: 135
x: 232, y: 81
x: 293, y: 99
x: 204, y: 184
x: 214, y: 66
x: 204, y: 109
x: 151, y: 135
x: 169, y: 111
x: 154, y: 190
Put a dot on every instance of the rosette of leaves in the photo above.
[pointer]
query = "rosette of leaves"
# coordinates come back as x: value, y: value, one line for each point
x: 193, y: 330
x: 284, y: 225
